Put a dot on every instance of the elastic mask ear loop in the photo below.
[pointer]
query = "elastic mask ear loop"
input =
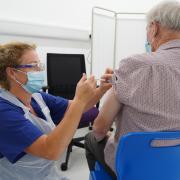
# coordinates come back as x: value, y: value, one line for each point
x: 16, y: 79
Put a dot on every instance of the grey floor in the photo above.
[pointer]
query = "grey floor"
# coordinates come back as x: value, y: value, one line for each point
x: 77, y: 167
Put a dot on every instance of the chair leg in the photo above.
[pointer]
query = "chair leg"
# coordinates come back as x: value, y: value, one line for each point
x: 64, y: 165
x: 78, y: 144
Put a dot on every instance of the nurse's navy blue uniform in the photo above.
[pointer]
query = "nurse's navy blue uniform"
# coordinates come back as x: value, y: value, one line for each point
x: 19, y: 129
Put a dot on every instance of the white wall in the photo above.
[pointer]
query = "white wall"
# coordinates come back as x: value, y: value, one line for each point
x: 66, y: 13
x: 60, y: 26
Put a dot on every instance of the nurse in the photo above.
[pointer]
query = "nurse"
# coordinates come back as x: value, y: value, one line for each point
x: 29, y: 141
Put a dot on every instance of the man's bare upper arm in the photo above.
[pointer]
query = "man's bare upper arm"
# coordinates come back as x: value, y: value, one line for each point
x: 107, y: 114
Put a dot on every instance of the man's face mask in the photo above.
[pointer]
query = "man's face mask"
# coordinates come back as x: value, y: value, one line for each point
x: 35, y: 81
x: 148, y: 47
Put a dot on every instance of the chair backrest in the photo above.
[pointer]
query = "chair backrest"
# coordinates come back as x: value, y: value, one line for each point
x: 138, y: 159
x: 63, y: 73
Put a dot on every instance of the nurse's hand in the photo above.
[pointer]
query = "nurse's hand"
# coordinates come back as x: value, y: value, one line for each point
x: 85, y: 89
x: 107, y: 83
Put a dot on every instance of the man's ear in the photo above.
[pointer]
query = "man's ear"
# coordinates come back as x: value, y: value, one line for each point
x: 155, y: 28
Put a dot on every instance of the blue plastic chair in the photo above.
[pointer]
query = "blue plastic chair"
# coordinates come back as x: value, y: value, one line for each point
x: 138, y: 159
x: 99, y: 173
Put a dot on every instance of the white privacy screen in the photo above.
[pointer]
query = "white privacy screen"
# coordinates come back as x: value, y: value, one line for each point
x: 114, y: 37
x: 103, y: 36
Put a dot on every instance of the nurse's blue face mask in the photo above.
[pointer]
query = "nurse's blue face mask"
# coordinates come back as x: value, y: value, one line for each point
x: 35, y: 80
x: 148, y: 47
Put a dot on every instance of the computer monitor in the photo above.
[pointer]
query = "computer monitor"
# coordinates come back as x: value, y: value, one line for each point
x: 63, y: 73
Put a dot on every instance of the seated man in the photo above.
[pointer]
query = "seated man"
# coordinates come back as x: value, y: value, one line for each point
x: 145, y: 95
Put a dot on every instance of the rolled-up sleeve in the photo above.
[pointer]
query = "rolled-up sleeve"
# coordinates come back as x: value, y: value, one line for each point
x: 131, y: 79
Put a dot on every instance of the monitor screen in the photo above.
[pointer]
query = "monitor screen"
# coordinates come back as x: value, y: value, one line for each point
x: 64, y: 69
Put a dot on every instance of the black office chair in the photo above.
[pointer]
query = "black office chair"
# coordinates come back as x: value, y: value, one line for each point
x: 63, y: 73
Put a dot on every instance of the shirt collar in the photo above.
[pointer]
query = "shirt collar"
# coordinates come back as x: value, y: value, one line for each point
x: 170, y: 44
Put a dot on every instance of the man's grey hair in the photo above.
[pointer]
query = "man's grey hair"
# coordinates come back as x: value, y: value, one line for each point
x: 167, y: 13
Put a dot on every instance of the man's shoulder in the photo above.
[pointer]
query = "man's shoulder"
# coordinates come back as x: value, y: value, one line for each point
x: 137, y: 60
x: 144, y: 59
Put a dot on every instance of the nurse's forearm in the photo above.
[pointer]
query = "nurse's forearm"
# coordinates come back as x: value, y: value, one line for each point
x: 52, y: 146
x: 58, y: 140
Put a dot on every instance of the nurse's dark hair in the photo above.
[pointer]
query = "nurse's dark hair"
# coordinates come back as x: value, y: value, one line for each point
x: 10, y: 56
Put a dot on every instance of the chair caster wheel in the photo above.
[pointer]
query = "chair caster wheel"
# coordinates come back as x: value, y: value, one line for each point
x: 63, y: 167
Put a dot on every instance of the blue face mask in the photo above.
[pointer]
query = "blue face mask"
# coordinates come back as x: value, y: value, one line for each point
x: 148, y: 47
x: 35, y: 81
